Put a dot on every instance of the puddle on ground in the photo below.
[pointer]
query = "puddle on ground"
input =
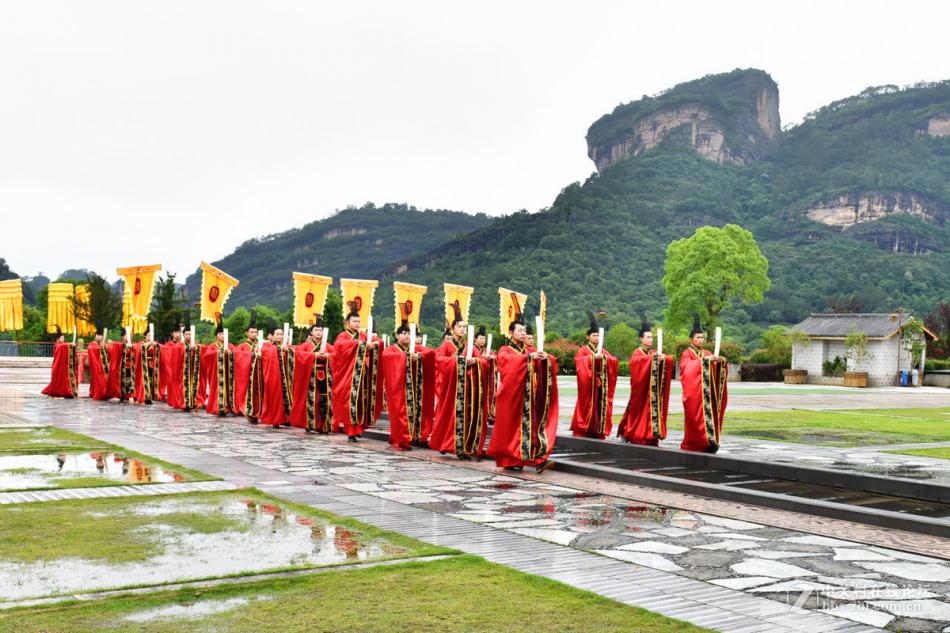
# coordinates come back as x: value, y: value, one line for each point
x: 189, y: 611
x: 30, y: 472
x: 270, y: 537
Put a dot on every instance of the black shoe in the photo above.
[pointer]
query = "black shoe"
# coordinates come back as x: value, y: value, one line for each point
x: 444, y: 452
x: 352, y: 438
x: 543, y: 466
x: 464, y: 457
x: 514, y: 467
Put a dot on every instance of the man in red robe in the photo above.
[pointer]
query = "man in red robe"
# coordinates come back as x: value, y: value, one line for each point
x: 248, y: 378
x: 147, y: 370
x: 527, y: 406
x: 312, y: 408
x: 124, y: 381
x: 100, y: 366
x: 596, y: 382
x: 193, y: 396
x: 410, y: 394
x: 481, y: 347
x: 461, y: 417
x: 172, y: 358
x: 277, y: 369
x: 703, y: 377
x: 217, y: 367
x: 62, y: 382
x: 357, y: 382
x: 644, y: 420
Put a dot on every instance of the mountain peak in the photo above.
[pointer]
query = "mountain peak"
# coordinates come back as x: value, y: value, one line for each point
x: 728, y: 118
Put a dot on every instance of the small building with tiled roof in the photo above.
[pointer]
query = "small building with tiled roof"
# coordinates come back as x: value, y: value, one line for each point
x: 888, y: 345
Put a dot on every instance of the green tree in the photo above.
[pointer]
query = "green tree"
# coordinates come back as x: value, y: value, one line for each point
x: 333, y: 312
x: 103, y: 307
x: 711, y: 271
x: 779, y: 345
x: 621, y: 340
x: 167, y: 305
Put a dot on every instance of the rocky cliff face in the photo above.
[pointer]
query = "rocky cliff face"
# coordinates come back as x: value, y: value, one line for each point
x: 848, y: 209
x: 939, y: 125
x: 861, y: 214
x: 733, y: 131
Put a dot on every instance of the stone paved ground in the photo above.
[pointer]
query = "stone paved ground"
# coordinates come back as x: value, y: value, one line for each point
x: 672, y: 557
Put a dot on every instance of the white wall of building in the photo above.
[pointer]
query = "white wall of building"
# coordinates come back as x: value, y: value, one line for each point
x: 882, y: 367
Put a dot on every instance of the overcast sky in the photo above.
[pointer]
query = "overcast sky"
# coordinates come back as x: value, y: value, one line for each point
x: 169, y: 132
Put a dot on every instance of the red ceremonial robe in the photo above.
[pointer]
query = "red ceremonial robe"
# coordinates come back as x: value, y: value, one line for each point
x: 704, y: 399
x: 312, y: 407
x: 644, y: 420
x: 357, y: 383
x: 191, y: 379
x: 171, y: 376
x: 491, y: 389
x: 461, y: 416
x: 99, y: 371
x: 121, y: 363
x: 245, y: 357
x: 410, y: 394
x: 277, y: 370
x: 217, y: 370
x: 62, y: 382
x: 147, y: 373
x: 527, y: 408
x: 596, y: 382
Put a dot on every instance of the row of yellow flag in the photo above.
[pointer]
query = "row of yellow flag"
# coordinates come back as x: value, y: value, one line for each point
x: 310, y: 293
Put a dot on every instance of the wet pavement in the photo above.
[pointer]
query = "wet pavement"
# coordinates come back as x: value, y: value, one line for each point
x: 840, y: 576
x: 266, y: 536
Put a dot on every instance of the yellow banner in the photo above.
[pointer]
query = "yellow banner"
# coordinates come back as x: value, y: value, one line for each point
x: 310, y: 297
x: 59, y: 311
x: 457, y: 294
x: 358, y: 295
x: 140, y: 283
x: 512, y: 306
x: 83, y: 327
x: 408, y: 297
x: 139, y: 324
x: 216, y: 287
x: 11, y: 305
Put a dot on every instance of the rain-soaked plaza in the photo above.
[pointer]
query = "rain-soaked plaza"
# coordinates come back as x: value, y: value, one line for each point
x: 721, y: 564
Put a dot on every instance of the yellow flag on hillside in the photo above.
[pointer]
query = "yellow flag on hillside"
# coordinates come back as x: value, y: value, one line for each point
x: 408, y: 296
x: 216, y: 287
x: 60, y: 306
x: 11, y: 305
x: 83, y: 327
x: 310, y: 297
x: 139, y: 284
x: 457, y: 295
x: 511, y: 308
x: 358, y: 296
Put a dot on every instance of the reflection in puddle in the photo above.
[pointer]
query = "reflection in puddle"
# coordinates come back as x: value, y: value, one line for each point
x: 27, y: 472
x: 189, y: 611
x: 270, y: 537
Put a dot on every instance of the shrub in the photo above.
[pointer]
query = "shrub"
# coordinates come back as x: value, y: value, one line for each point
x: 935, y: 365
x: 760, y: 356
x: 732, y: 352
x: 624, y: 368
x: 563, y: 350
x: 835, y: 367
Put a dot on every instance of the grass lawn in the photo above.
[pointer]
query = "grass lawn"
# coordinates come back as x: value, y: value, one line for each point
x: 113, y: 530
x: 852, y: 427
x: 454, y: 595
x: 47, y: 439
x: 941, y: 452
x: 46, y: 443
